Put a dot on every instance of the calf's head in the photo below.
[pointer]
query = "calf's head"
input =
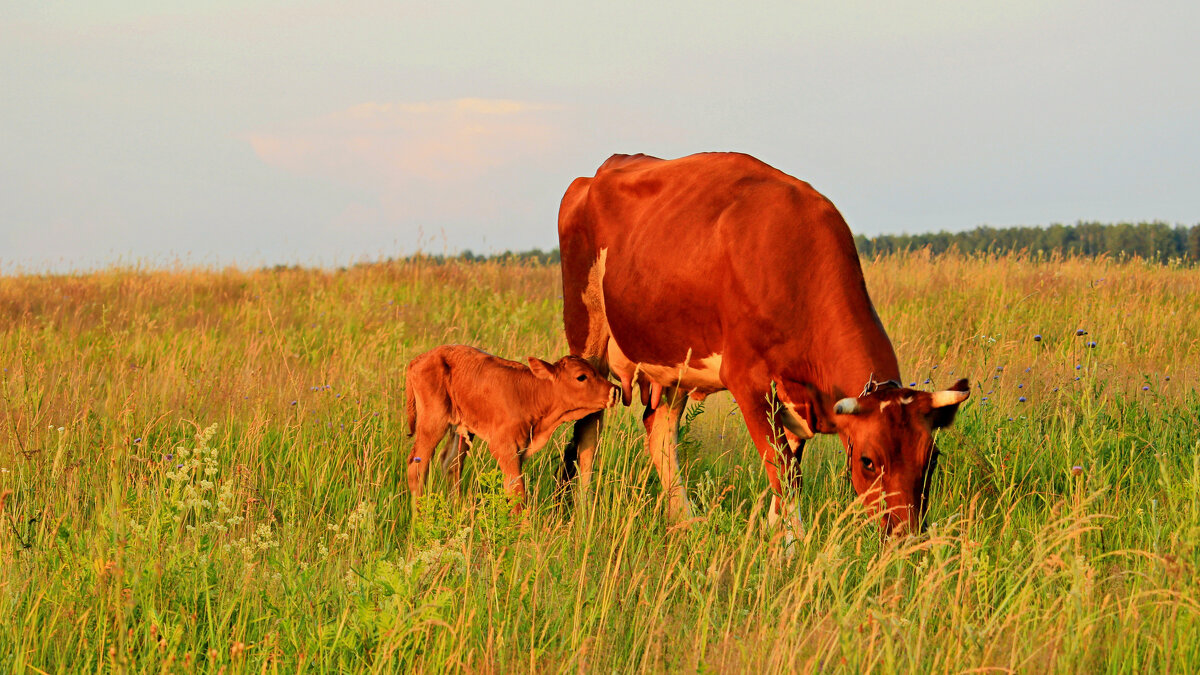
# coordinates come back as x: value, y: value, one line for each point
x: 888, y: 435
x: 579, y: 389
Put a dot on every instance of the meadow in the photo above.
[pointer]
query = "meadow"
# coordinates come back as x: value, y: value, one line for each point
x: 202, y: 471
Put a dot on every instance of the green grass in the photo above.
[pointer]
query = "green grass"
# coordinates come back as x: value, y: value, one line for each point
x: 133, y: 540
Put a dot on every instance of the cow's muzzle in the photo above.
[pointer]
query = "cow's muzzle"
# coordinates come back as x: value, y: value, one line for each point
x: 901, y: 521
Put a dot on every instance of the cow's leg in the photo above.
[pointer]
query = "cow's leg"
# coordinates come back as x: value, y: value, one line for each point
x: 791, y: 479
x: 662, y: 438
x: 586, y: 328
x: 781, y: 452
x: 458, y: 446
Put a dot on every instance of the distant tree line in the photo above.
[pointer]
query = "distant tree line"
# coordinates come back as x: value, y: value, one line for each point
x: 534, y: 256
x: 537, y: 256
x: 1152, y: 241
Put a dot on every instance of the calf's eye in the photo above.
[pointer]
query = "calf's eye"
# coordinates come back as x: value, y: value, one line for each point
x: 581, y: 378
x: 868, y: 465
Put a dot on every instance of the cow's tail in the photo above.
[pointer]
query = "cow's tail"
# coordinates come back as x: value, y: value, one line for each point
x: 410, y: 403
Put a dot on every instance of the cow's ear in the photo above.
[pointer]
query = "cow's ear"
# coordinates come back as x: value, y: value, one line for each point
x: 944, y: 404
x: 541, y: 369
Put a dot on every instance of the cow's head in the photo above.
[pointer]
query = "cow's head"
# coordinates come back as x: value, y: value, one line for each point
x: 579, y: 388
x: 888, y: 434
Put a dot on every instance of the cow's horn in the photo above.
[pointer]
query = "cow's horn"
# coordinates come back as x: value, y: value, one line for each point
x: 847, y: 406
x: 942, y: 399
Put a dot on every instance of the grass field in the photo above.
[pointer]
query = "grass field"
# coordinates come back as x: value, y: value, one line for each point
x: 202, y: 471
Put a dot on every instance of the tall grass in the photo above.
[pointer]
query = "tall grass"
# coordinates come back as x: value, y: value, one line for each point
x: 202, y: 472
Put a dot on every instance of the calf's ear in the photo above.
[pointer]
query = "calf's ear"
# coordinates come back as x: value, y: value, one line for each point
x: 541, y: 369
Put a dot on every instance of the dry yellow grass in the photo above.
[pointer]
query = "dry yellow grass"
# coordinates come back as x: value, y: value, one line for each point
x: 128, y: 544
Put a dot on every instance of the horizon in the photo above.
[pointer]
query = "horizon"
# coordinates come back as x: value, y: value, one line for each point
x: 183, y: 264
x: 348, y: 133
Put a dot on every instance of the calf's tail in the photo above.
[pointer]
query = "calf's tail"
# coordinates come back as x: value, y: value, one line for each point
x: 410, y: 404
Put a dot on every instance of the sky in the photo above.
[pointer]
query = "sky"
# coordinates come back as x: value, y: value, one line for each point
x: 324, y: 133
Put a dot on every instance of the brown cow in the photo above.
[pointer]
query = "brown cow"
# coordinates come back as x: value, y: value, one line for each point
x: 462, y: 391
x: 718, y: 272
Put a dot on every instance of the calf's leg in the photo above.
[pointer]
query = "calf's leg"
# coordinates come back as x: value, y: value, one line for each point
x: 425, y: 441
x: 509, y: 456
x: 458, y: 446
x: 580, y: 452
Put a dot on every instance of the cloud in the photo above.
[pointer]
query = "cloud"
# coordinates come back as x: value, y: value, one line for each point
x: 433, y: 160
x: 484, y: 174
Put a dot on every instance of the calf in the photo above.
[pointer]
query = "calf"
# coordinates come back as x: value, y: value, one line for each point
x: 514, y: 407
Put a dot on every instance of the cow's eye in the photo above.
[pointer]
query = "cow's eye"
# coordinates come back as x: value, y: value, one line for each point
x: 581, y: 378
x: 868, y: 465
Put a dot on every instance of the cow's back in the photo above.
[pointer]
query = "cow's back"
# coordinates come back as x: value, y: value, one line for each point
x: 714, y: 242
